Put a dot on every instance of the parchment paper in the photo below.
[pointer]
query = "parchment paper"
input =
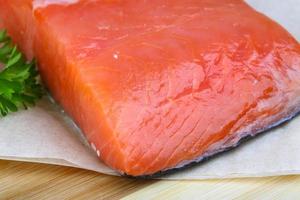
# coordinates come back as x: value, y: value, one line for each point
x: 43, y: 134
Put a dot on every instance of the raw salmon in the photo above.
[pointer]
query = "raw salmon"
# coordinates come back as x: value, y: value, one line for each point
x: 158, y: 84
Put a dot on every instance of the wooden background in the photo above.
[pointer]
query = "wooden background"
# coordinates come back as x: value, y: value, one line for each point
x: 20, y: 180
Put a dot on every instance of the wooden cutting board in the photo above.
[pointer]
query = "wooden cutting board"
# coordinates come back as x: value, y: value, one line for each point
x: 20, y: 180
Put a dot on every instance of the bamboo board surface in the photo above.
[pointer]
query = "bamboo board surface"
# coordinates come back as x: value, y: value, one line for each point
x: 20, y: 180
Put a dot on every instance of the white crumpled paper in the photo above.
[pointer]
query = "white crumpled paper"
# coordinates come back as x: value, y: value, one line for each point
x: 43, y: 134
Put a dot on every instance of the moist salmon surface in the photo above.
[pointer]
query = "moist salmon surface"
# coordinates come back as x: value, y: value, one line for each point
x: 157, y: 84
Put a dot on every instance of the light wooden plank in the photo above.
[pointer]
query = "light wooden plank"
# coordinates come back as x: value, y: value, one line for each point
x: 239, y: 189
x: 39, y: 181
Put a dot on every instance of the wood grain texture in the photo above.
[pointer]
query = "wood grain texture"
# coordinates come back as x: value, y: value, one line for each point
x: 20, y: 180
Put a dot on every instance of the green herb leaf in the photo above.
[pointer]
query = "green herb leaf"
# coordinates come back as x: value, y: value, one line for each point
x: 19, y: 86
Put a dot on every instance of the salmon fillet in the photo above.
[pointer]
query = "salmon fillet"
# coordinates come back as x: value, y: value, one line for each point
x: 158, y: 84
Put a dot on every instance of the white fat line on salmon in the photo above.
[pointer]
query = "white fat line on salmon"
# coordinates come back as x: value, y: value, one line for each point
x: 45, y: 3
x: 95, y: 149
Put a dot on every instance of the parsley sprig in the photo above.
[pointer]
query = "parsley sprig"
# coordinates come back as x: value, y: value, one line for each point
x: 19, y: 85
